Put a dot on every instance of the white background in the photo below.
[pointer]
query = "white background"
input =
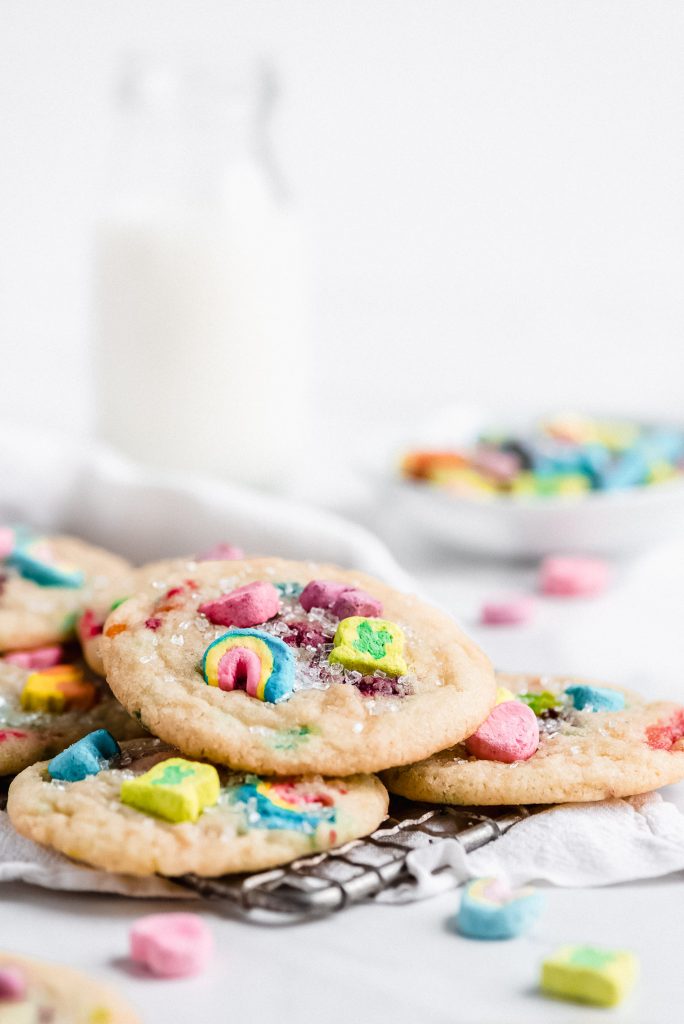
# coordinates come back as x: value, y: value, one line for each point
x: 494, y: 194
x: 494, y: 190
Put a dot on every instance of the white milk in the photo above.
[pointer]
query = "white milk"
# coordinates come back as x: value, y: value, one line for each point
x: 202, y: 353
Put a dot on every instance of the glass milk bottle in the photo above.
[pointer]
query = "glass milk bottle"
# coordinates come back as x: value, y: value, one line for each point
x: 200, y: 295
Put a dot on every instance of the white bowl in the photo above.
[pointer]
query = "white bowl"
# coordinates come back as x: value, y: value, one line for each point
x: 600, y: 522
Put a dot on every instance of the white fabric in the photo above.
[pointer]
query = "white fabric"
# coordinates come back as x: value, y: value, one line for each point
x: 24, y: 861
x: 80, y: 487
x: 573, y: 845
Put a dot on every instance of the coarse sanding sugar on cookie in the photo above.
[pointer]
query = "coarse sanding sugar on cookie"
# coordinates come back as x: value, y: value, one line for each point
x: 305, y: 690
x: 45, y: 582
x: 595, y: 742
x: 149, y: 810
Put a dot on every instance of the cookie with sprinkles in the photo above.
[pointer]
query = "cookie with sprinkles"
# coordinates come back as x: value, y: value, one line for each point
x: 35, y: 991
x: 554, y: 739
x: 45, y: 582
x: 43, y: 710
x: 147, y: 810
x: 282, y: 667
x: 107, y: 599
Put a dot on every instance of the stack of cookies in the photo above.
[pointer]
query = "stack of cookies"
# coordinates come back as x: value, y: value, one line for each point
x: 244, y: 706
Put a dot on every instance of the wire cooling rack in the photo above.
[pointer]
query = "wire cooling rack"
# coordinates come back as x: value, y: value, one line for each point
x: 315, y: 886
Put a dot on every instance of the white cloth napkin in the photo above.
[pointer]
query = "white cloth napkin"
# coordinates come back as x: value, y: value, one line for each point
x: 57, y: 483
x: 24, y: 861
x: 573, y: 845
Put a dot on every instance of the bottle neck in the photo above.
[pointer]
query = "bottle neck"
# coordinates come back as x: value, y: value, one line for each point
x: 187, y: 136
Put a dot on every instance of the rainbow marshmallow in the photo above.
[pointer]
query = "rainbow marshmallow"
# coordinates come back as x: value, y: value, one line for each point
x: 369, y: 645
x: 252, y: 660
x: 34, y: 560
x: 587, y: 974
x: 279, y: 805
x: 176, y: 790
x: 490, y: 910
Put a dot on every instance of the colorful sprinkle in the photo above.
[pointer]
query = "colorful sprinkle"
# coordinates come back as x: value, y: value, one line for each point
x: 115, y: 629
x: 664, y: 735
x: 90, y: 625
x: 12, y: 734
x: 291, y: 739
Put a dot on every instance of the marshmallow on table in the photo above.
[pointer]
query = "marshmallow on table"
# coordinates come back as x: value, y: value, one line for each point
x: 589, y: 975
x: 251, y: 605
x: 513, y: 610
x: 490, y: 910
x: 171, y: 945
x: 573, y: 576
x: 509, y: 733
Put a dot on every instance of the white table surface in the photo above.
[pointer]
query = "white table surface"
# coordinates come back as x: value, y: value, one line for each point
x: 404, y: 964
